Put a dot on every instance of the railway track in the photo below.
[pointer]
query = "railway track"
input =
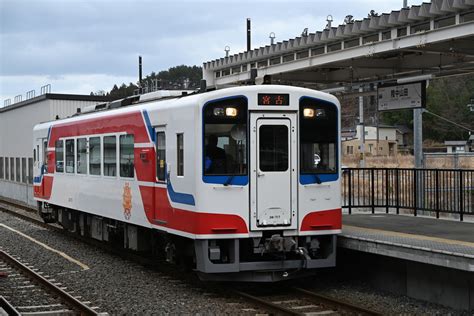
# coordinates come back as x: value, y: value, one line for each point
x: 29, y: 293
x: 292, y: 301
x: 297, y: 301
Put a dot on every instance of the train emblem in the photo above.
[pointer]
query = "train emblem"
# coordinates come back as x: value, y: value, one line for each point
x: 127, y: 201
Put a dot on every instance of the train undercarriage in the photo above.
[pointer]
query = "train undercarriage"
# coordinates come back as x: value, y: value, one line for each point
x: 271, y: 257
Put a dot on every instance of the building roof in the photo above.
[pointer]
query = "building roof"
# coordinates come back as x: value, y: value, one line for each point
x: 56, y: 96
x: 403, y: 129
x: 455, y: 142
x: 353, y: 29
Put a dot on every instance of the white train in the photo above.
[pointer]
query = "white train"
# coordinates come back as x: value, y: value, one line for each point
x: 242, y: 182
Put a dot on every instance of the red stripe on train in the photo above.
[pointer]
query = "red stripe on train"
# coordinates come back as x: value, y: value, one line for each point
x: 198, y: 223
x: 322, y: 220
x: 44, y: 191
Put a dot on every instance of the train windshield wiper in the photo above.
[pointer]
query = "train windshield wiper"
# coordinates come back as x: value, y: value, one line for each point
x: 229, y: 180
x: 318, y: 179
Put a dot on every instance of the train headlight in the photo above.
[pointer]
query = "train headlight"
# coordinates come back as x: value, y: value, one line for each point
x: 231, y: 112
x: 219, y: 112
x: 309, y: 113
x: 312, y: 113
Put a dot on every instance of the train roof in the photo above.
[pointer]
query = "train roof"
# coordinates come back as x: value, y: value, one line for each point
x: 174, y: 99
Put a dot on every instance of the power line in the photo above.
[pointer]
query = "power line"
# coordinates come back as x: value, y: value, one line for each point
x: 449, y: 121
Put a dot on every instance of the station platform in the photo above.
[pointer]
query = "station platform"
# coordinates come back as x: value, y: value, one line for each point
x: 432, y: 241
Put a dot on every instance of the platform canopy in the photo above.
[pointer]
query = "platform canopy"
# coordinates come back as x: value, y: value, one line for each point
x: 435, y: 38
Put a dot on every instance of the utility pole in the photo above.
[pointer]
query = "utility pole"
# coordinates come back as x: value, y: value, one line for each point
x: 418, y: 137
x: 361, y: 128
x: 248, y: 34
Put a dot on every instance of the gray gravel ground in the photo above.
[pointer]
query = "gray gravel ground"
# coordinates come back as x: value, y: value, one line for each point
x: 118, y: 286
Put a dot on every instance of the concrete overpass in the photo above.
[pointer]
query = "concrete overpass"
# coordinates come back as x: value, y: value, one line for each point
x: 432, y: 38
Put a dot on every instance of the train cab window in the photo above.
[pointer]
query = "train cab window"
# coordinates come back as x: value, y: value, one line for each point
x: 59, y: 150
x: 161, y: 156
x: 70, y: 165
x: 126, y: 156
x: 34, y: 155
x: 94, y: 156
x: 180, y: 160
x: 81, y: 152
x: 110, y: 156
x: 318, y: 136
x: 225, y: 138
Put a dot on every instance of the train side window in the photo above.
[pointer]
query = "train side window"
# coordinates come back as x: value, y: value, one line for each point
x: 94, y: 156
x: 34, y: 155
x: 37, y: 152
x: 110, y: 156
x: 1, y: 168
x: 7, y: 169
x: 81, y: 152
x: 161, y: 156
x: 12, y: 169
x: 59, y: 151
x: 70, y: 165
x: 180, y: 158
x: 127, y: 156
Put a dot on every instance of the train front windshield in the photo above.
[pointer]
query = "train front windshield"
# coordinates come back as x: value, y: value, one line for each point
x: 225, y: 138
x: 318, y: 134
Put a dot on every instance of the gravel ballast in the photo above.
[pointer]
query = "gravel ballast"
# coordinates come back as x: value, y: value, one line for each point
x: 120, y: 286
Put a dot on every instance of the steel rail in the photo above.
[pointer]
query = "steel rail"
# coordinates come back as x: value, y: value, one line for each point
x: 335, y: 302
x: 64, y: 296
x: 279, y: 310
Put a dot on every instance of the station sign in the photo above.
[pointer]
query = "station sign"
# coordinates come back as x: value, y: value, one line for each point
x: 401, y: 96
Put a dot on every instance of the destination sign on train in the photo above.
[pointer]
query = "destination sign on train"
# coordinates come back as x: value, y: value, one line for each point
x: 273, y: 99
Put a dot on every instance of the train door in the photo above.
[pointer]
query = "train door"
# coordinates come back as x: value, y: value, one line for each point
x: 162, y: 206
x: 40, y: 150
x: 273, y: 180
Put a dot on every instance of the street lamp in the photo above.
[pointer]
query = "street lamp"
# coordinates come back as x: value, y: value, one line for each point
x: 471, y: 104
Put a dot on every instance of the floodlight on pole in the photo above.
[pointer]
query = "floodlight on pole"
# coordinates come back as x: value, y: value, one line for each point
x: 272, y: 38
x: 414, y: 79
x: 334, y: 90
x: 471, y: 104
x: 329, y: 19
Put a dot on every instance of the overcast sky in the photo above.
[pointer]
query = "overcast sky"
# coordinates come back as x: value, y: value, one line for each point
x: 79, y: 46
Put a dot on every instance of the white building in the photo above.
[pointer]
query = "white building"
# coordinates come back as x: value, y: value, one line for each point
x: 16, y: 138
x: 456, y: 146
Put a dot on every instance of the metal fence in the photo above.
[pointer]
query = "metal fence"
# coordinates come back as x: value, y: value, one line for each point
x: 433, y: 190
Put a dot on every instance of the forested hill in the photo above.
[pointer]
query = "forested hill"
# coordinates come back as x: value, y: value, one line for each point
x: 175, y: 78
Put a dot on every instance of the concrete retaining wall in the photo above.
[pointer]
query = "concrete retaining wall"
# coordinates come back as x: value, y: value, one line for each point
x: 17, y: 191
x: 448, y: 287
